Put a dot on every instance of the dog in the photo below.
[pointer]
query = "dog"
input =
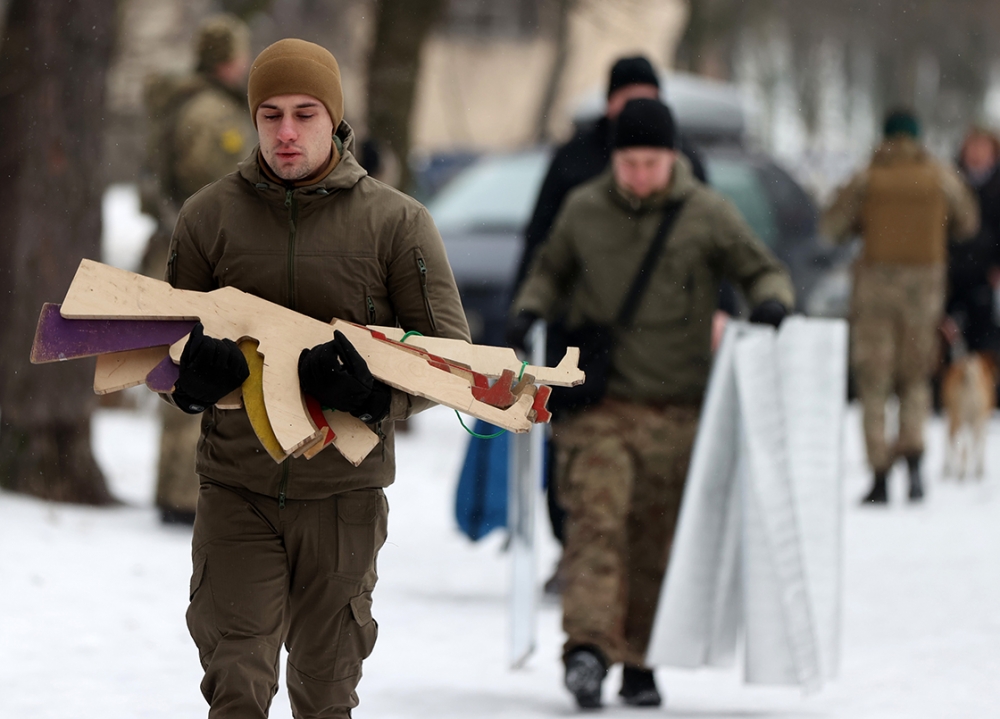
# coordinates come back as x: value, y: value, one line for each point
x: 968, y: 396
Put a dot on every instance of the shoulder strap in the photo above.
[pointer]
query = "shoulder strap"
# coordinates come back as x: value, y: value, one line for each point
x: 631, y: 303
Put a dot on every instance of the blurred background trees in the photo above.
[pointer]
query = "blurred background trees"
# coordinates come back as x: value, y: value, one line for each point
x: 53, y: 67
x: 851, y: 58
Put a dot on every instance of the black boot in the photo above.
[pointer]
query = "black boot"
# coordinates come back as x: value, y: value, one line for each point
x: 879, y: 494
x: 639, y: 688
x: 916, y: 482
x: 585, y: 672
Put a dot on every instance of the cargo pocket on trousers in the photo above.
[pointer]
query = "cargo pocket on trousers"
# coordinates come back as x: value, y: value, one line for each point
x: 356, y: 512
x: 359, y: 636
x: 200, y: 615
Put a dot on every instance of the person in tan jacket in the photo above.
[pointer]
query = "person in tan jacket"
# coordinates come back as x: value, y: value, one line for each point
x: 905, y: 205
x: 284, y: 555
x: 199, y: 130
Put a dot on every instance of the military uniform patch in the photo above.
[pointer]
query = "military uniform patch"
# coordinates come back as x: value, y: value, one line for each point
x: 232, y: 141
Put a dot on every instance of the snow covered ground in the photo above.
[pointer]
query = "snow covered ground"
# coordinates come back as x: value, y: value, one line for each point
x: 92, y: 601
x: 92, y: 604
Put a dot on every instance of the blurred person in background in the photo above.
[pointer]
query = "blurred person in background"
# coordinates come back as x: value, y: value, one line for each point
x: 905, y: 205
x: 587, y: 154
x: 581, y: 159
x: 974, y: 266
x: 284, y: 555
x: 622, y: 463
x: 199, y: 129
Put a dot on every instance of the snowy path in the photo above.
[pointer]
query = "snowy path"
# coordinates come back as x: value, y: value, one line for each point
x: 92, y: 605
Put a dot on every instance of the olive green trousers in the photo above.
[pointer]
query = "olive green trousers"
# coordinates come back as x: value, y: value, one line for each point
x: 300, y: 576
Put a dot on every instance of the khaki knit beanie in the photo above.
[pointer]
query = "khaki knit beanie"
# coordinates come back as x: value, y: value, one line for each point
x: 296, y: 67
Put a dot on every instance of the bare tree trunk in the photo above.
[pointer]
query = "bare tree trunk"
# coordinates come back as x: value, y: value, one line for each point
x: 564, y: 8
x: 52, y: 78
x: 713, y: 27
x: 401, y: 28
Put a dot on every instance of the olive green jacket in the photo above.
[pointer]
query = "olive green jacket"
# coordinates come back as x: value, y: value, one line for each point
x: 593, y: 254
x: 347, y: 247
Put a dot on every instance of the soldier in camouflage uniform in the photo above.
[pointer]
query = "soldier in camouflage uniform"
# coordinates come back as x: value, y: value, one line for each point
x: 905, y: 205
x: 623, y: 462
x: 199, y: 130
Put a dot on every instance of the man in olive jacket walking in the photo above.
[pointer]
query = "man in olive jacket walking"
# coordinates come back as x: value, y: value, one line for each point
x: 623, y: 462
x: 285, y: 554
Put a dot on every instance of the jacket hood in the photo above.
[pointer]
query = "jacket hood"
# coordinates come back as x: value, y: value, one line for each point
x: 344, y: 176
x: 899, y: 150
x: 682, y: 184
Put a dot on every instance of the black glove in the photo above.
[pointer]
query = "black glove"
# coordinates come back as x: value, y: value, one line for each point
x: 338, y: 377
x: 769, y: 312
x: 517, y: 328
x: 209, y: 370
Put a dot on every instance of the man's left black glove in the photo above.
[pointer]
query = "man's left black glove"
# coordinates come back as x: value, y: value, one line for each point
x: 338, y: 377
x: 769, y: 312
x: 209, y: 370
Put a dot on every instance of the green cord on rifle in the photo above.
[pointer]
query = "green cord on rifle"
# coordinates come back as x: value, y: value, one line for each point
x: 520, y: 374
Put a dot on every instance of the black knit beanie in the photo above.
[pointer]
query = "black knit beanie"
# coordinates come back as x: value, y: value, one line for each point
x: 645, y: 123
x: 632, y: 71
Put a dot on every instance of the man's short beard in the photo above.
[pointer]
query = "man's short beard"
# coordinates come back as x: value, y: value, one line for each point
x: 296, y: 175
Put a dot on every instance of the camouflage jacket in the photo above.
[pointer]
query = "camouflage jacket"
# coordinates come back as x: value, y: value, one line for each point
x: 199, y: 131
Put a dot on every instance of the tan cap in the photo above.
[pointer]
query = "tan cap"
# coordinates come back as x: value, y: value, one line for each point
x: 296, y: 67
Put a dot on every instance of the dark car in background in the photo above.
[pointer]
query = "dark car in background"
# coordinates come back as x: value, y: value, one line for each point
x: 483, y: 210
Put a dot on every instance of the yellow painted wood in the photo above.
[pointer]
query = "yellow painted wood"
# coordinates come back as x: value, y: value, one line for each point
x: 253, y: 400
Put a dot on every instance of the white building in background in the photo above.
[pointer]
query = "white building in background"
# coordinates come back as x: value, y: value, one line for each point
x: 484, y: 74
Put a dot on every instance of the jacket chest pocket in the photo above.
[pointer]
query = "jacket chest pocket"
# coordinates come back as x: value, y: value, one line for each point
x: 329, y: 286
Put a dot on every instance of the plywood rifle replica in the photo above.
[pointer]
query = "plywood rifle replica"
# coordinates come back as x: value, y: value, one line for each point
x: 138, y: 326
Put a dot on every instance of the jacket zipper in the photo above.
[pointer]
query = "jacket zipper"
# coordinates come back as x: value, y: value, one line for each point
x: 283, y: 485
x: 292, y: 208
x: 371, y: 309
x: 422, y: 268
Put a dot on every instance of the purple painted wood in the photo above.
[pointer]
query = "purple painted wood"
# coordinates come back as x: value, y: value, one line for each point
x: 163, y: 376
x: 57, y: 338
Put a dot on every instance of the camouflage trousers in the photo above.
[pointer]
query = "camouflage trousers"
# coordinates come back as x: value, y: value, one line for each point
x: 895, y: 314
x: 621, y: 473
x: 176, y: 481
